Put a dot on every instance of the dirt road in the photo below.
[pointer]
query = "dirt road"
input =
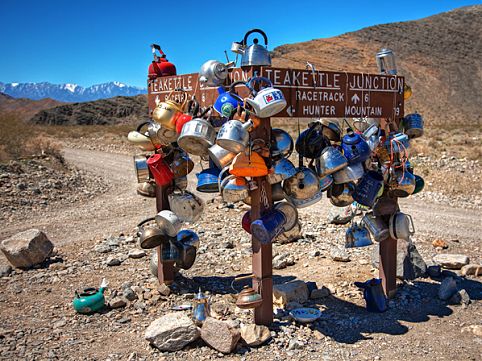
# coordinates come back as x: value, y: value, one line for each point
x: 121, y: 208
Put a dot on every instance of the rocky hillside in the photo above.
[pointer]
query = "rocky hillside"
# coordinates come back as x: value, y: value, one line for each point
x: 118, y: 110
x: 439, y: 56
x: 24, y: 108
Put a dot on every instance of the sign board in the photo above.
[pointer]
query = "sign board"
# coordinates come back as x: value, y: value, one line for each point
x: 318, y: 94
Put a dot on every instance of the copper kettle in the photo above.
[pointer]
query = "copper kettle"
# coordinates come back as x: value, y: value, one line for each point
x: 248, y: 297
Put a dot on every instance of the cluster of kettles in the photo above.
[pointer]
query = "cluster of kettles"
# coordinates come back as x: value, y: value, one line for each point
x: 365, y: 166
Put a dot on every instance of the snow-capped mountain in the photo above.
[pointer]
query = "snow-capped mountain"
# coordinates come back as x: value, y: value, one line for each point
x: 69, y: 92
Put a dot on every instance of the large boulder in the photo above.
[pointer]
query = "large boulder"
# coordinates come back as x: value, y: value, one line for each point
x: 220, y: 335
x: 26, y: 249
x: 410, y: 264
x: 172, y: 332
x: 451, y: 261
x: 294, y: 291
x: 255, y: 335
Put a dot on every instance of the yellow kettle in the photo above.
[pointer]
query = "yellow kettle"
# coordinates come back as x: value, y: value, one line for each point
x: 166, y: 113
x: 248, y: 165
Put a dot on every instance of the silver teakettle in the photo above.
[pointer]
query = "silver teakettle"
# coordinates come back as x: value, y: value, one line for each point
x: 234, y: 135
x: 330, y: 161
x: 386, y: 62
x: 255, y: 54
x: 213, y: 73
x: 201, y: 308
x: 303, y: 189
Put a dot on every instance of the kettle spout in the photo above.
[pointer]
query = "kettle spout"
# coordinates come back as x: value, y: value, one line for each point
x: 103, y: 285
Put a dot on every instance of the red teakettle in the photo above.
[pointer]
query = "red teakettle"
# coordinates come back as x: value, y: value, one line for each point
x: 163, y: 175
x: 160, y: 66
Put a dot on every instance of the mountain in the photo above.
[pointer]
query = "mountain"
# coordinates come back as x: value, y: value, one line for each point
x: 69, y: 92
x: 440, y: 57
x: 24, y: 108
x: 115, y: 110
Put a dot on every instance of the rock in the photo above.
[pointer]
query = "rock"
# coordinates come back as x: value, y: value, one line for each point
x: 172, y: 332
x: 164, y: 290
x: 129, y: 294
x: 475, y: 329
x: 102, y: 248
x: 117, y: 302
x: 255, y: 335
x: 290, y: 236
x: 27, y: 248
x: 5, y: 270
x: 434, y: 271
x: 469, y: 270
x: 339, y: 255
x: 341, y: 215
x: 219, y: 335
x: 113, y: 261
x: 320, y: 293
x: 288, y: 292
x: 451, y: 261
x: 293, y: 305
x: 136, y: 253
x: 460, y: 298
x: 282, y: 261
x: 440, y: 243
x: 447, y: 289
x: 410, y: 264
x: 295, y: 344
x: 220, y: 310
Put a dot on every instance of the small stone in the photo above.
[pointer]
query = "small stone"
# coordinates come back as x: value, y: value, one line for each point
x: 129, y: 294
x: 5, y: 270
x: 475, y: 329
x: 471, y: 270
x: 124, y: 320
x: 164, y: 290
x: 451, y: 261
x: 318, y: 335
x: 117, y: 302
x: 284, y: 293
x: 440, y: 243
x: 113, y: 261
x: 293, y: 305
x: 255, y: 335
x: 447, y: 289
x: 339, y: 255
x: 27, y: 249
x: 219, y: 335
x: 320, y: 293
x: 102, y: 248
x: 136, y: 253
x: 59, y: 324
x: 295, y: 344
x: 172, y: 332
x: 282, y: 261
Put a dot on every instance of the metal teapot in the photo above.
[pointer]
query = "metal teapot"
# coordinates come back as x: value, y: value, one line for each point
x: 331, y: 129
x: 376, y: 226
x: 291, y: 214
x: 386, y: 62
x: 281, y: 144
x: 303, y: 189
x: 152, y: 236
x: 140, y: 138
x: 90, y: 299
x: 141, y: 168
x: 401, y: 226
x: 220, y: 157
x: 160, y: 66
x: 311, y: 141
x: 282, y: 169
x: 402, y: 182
x: 186, y: 205
x: 201, y: 308
x: 255, y: 54
x: 165, y: 113
x: 350, y: 173
x: 341, y: 195
x: 248, y: 297
x: 413, y: 125
x: 186, y: 254
x: 268, y: 101
x: 197, y: 136
x: 147, y: 189
x: 181, y: 165
x: 355, y: 148
x: 357, y: 236
x: 234, y: 189
x: 234, y: 135
x: 207, y: 180
x: 213, y: 73
x: 330, y: 161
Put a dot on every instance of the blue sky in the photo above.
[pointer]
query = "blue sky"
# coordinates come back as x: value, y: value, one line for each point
x: 89, y: 42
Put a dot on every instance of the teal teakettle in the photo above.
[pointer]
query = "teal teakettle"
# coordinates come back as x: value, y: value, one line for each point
x: 90, y: 299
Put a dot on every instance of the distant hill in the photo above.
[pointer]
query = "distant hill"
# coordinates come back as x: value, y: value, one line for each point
x: 69, y: 92
x: 24, y: 108
x: 117, y: 110
x: 440, y: 56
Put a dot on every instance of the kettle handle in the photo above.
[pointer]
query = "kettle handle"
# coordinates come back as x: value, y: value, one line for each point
x: 139, y: 127
x: 245, y: 40
x: 411, y: 225
x: 232, y: 87
x: 258, y: 79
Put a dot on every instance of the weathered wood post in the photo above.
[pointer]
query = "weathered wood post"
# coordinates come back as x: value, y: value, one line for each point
x: 165, y: 270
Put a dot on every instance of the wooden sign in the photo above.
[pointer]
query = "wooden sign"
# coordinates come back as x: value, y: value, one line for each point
x: 318, y: 94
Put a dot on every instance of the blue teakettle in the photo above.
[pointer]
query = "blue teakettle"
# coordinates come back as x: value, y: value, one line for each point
x: 355, y: 148
x: 207, y: 180
x: 227, y: 102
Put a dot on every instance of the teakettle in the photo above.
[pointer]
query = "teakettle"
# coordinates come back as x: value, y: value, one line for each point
x: 163, y: 175
x: 376, y: 226
x: 331, y: 129
x: 201, y: 308
x: 186, y: 205
x: 140, y: 139
x: 152, y: 236
x: 303, y: 189
x: 413, y: 125
x: 330, y: 161
x: 147, y: 189
x: 197, y: 136
x: 386, y: 62
x: 357, y: 236
x: 207, y: 180
x: 266, y: 228
x: 90, y: 299
x: 282, y: 169
x: 355, y: 148
x: 311, y: 141
x: 341, y: 195
x: 254, y: 54
x: 248, y: 165
x: 248, y: 297
x: 401, y: 226
x: 350, y: 173
x: 220, y: 157
x: 281, y: 144
x: 397, y: 143
x: 160, y: 66
x: 268, y: 101
x: 141, y: 168
x: 189, y: 238
x: 234, y: 135
x: 368, y: 189
x: 165, y: 113
x: 213, y: 73
x: 234, y: 189
x: 168, y: 222
x: 402, y: 183
x: 291, y: 214
x: 186, y: 254
x: 181, y: 165
x: 227, y: 102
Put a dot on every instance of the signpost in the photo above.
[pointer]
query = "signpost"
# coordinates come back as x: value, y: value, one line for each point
x: 309, y: 94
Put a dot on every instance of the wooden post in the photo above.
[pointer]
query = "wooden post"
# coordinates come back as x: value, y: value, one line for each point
x: 388, y: 266
x: 165, y: 270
